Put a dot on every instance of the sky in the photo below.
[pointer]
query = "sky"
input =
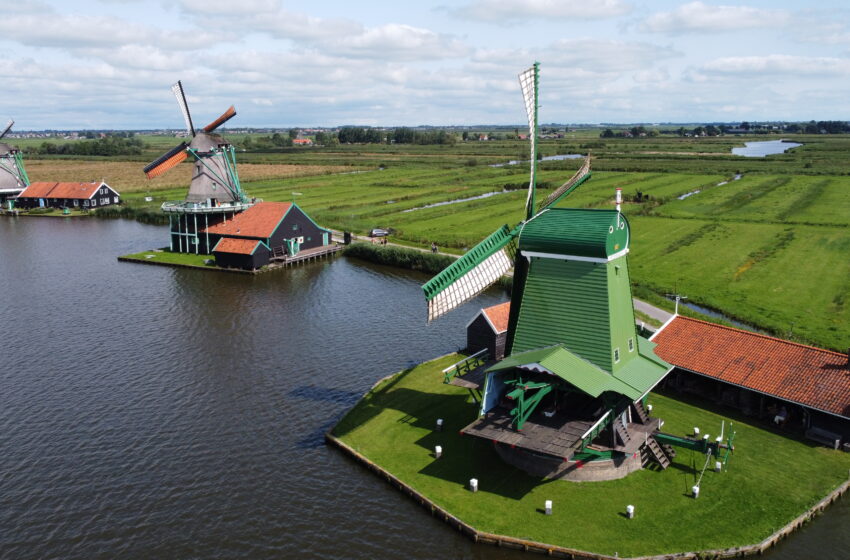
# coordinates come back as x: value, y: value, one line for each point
x: 109, y: 64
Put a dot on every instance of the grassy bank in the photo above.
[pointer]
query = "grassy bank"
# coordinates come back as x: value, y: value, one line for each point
x: 400, y: 257
x: 166, y: 256
x: 770, y: 478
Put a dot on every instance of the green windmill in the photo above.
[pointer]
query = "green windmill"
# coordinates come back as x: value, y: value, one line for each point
x: 576, y: 371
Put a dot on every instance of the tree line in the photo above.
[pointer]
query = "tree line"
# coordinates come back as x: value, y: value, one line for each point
x: 110, y: 145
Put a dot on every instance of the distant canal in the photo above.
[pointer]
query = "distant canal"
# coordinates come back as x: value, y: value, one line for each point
x: 150, y: 412
x: 763, y: 149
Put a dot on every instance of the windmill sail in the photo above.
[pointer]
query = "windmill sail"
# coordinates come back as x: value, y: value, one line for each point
x: 181, y: 100
x: 528, y: 85
x: 226, y: 116
x: 166, y: 161
x: 8, y: 128
x: 471, y: 274
x: 582, y: 175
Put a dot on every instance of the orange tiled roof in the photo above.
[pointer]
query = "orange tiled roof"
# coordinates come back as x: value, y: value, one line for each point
x: 810, y: 376
x: 60, y: 190
x: 260, y: 220
x: 498, y: 316
x: 236, y: 245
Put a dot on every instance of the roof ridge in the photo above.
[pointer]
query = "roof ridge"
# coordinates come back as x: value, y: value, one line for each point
x: 760, y: 335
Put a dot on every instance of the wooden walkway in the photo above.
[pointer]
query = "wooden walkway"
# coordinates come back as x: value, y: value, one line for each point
x: 307, y: 255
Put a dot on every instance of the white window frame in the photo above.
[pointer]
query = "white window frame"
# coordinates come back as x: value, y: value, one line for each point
x: 631, y: 345
x: 616, y: 355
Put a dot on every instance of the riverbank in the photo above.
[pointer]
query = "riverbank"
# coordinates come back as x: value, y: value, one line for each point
x: 764, y: 490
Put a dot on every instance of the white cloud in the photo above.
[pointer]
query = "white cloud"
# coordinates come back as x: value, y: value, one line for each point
x: 508, y: 12
x: 778, y: 65
x: 700, y: 17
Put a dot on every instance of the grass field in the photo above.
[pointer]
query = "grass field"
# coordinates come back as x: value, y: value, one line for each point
x: 768, y: 249
x: 770, y: 478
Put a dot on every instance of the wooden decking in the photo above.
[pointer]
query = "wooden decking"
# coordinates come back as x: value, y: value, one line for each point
x: 557, y: 436
x: 474, y: 379
x: 306, y: 255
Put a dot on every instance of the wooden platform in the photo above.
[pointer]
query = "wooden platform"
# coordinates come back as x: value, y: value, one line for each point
x: 557, y: 436
x: 472, y: 380
x: 307, y: 255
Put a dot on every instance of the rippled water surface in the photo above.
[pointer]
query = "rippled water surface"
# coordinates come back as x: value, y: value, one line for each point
x: 150, y: 412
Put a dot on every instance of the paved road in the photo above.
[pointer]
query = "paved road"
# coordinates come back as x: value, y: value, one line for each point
x: 655, y: 312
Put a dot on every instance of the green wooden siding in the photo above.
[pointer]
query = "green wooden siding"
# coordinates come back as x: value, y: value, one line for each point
x: 566, y: 302
x: 621, y: 312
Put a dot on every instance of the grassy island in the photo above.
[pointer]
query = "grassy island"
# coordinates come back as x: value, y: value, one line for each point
x: 769, y: 480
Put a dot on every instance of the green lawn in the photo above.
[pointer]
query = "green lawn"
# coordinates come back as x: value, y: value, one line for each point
x: 770, y: 479
x: 166, y: 256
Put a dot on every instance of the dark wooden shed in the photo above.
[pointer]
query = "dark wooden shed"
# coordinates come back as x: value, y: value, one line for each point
x: 232, y: 252
x: 489, y: 329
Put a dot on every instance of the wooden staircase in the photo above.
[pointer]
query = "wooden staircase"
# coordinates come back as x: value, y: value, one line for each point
x: 622, y: 433
x: 656, y: 453
x: 641, y: 413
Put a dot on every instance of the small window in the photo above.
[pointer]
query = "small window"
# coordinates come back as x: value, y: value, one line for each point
x: 93, y: 202
x: 309, y: 239
x: 85, y: 203
x: 294, y: 227
x: 76, y: 203
x: 631, y: 345
x: 616, y: 355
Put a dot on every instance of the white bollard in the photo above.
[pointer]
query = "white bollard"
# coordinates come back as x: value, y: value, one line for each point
x: 696, y: 431
x: 548, y: 507
x: 695, y: 490
x: 439, y: 424
x: 718, y: 466
x: 706, y: 436
x: 438, y: 451
x: 630, y: 511
x: 649, y: 408
x: 473, y: 484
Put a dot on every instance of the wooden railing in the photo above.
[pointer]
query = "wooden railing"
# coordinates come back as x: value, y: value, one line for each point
x: 466, y: 365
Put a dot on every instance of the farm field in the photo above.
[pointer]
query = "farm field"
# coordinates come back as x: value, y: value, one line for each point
x: 768, y: 249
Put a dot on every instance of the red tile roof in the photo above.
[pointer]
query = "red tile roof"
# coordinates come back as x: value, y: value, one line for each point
x: 810, y: 376
x: 498, y: 316
x: 260, y: 220
x: 60, y: 190
x: 236, y: 245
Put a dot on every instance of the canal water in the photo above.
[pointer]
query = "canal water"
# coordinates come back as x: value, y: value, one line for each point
x: 765, y: 148
x: 150, y: 412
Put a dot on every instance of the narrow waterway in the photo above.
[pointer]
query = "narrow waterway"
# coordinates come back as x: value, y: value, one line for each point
x: 150, y: 412
x: 765, y: 148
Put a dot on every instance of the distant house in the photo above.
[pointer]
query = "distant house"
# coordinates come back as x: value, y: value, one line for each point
x: 267, y: 228
x: 67, y: 195
x: 489, y: 329
x: 302, y: 142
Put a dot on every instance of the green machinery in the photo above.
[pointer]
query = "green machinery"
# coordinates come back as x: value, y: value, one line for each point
x: 572, y: 349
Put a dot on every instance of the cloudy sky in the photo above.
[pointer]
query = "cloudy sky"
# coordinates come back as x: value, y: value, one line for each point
x: 110, y: 63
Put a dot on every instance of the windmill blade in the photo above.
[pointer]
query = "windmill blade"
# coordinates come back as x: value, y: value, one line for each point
x: 528, y: 86
x: 8, y: 128
x: 582, y: 175
x: 471, y: 274
x: 166, y: 161
x: 226, y: 116
x: 181, y: 100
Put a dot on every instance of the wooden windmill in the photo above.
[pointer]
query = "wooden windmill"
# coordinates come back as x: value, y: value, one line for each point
x: 214, y: 178
x: 13, y: 176
x: 215, y: 191
x: 575, y: 370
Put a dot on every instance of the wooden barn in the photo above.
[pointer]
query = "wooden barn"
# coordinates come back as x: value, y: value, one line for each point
x: 277, y: 228
x: 489, y: 329
x: 793, y: 386
x: 85, y: 196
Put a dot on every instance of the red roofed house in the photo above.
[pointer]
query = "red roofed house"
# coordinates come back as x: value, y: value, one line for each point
x: 302, y: 142
x: 489, y: 329
x: 67, y: 195
x: 787, y: 383
x: 252, y: 236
